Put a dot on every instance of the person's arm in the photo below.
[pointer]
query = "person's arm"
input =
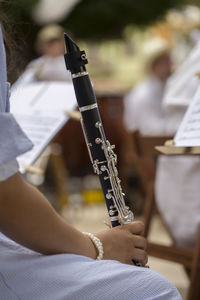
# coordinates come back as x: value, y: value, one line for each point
x: 27, y: 217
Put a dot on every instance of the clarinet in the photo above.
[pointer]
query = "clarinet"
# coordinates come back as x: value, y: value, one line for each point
x: 100, y: 150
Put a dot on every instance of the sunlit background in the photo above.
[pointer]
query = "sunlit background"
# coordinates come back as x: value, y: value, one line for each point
x: 112, y: 32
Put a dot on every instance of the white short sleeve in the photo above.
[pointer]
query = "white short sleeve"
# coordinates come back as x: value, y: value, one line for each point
x: 8, y: 169
x: 13, y: 141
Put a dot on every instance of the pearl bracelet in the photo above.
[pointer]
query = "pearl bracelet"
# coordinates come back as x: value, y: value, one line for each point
x: 97, y: 243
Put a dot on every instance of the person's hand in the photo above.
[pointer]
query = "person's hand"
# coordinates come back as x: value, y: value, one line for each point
x: 125, y: 243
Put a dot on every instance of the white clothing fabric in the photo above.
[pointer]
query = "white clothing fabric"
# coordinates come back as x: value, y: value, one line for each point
x: 177, y: 185
x: 13, y: 141
x: 143, y: 108
x: 177, y: 189
x: 177, y: 196
x: 8, y: 169
x: 27, y: 275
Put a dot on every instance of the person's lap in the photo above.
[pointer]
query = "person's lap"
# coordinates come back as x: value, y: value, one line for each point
x: 27, y: 275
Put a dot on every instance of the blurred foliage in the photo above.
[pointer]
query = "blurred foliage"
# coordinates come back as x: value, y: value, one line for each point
x: 106, y: 19
x: 94, y: 20
x: 89, y: 20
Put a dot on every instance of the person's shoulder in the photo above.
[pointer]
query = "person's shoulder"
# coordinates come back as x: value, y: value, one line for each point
x: 35, y: 62
x: 144, y: 86
x: 140, y: 91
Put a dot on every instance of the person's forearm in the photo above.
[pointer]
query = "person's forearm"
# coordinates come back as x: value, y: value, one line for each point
x: 27, y: 217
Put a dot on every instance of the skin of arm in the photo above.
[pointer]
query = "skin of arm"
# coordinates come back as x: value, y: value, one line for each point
x: 27, y: 217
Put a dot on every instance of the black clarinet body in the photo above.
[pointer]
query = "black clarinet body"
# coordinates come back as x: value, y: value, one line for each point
x: 101, y: 153
x: 93, y: 132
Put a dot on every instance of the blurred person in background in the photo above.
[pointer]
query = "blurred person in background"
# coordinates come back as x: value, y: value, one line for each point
x: 143, y: 109
x: 50, y: 66
x: 143, y: 104
x: 177, y: 186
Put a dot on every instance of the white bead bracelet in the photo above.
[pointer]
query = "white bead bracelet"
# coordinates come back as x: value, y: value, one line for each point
x: 97, y: 243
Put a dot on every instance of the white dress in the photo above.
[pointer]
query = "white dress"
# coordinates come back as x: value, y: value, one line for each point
x: 177, y: 189
x: 27, y: 275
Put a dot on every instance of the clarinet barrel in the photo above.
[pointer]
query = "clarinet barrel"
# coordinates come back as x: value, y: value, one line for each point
x: 101, y: 152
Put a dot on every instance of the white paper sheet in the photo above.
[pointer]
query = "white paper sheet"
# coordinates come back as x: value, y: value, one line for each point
x: 39, y: 109
x: 182, y: 85
x: 23, y: 97
x: 58, y: 96
x: 188, y: 133
x: 41, y: 129
x: 44, y: 96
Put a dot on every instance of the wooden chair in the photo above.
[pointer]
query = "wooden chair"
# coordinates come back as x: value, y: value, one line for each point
x: 188, y: 258
x: 145, y: 157
x: 60, y: 176
x: 52, y: 156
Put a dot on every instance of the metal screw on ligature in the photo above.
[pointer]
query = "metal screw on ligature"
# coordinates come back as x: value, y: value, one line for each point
x: 83, y: 56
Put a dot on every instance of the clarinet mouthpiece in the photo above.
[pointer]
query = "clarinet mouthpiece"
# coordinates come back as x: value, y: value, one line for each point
x: 75, y: 59
x: 70, y: 44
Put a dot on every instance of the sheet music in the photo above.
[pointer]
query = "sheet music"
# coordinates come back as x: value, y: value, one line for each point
x: 59, y: 96
x: 188, y: 133
x: 41, y: 129
x: 24, y: 96
x: 43, y: 96
x: 183, y: 83
x: 39, y: 109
